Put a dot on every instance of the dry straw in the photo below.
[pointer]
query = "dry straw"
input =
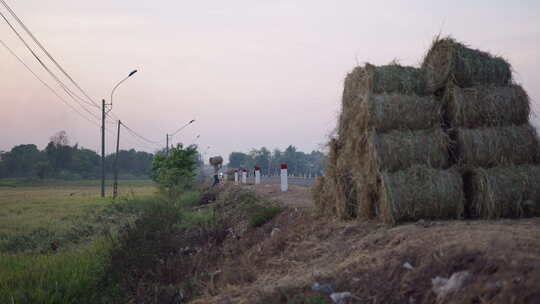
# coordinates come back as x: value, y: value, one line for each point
x: 420, y: 193
x: 364, y: 81
x: 323, y: 197
x: 385, y: 112
x: 503, y: 192
x: 487, y: 106
x: 391, y: 78
x: 398, y: 150
x: 490, y: 147
x: 448, y: 60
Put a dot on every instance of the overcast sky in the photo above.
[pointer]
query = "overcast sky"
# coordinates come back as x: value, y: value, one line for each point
x: 252, y: 73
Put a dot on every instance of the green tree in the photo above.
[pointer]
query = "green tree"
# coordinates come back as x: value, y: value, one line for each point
x: 20, y: 161
x: 239, y: 160
x: 175, y: 172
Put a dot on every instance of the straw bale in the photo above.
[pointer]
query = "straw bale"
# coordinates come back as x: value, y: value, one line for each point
x: 420, y: 193
x: 487, y: 106
x: 385, y: 112
x: 490, y: 147
x: 448, y: 60
x: 398, y: 150
x: 391, y: 78
x: 503, y: 191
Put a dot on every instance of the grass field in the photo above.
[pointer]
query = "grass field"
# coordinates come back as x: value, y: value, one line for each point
x: 35, y: 218
x: 55, y: 238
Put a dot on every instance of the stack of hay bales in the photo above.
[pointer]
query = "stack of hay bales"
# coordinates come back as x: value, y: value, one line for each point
x: 388, y: 126
x: 488, y: 118
x: 436, y: 142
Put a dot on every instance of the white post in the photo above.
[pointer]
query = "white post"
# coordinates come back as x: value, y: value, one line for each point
x: 284, y: 178
x: 236, y: 177
x: 257, y: 175
x: 244, y: 176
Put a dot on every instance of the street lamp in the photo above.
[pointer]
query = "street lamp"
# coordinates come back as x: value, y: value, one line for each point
x: 169, y: 136
x: 119, y: 83
x: 115, y: 185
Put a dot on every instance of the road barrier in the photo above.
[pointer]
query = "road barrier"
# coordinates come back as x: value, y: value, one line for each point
x: 284, y: 178
x: 244, y: 176
x: 257, y: 175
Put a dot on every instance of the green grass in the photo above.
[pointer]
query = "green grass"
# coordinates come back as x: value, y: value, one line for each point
x: 69, y: 277
x: 31, y: 218
x: 55, y: 239
x: 260, y: 215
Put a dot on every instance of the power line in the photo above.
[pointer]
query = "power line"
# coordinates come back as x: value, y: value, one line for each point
x: 47, y: 85
x: 92, y: 102
x: 62, y: 85
x: 140, y: 136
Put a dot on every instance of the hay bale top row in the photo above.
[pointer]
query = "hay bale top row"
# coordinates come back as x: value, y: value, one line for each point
x: 392, y: 78
x: 447, y: 61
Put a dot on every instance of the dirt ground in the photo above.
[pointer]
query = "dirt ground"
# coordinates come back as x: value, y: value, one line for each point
x: 280, y: 261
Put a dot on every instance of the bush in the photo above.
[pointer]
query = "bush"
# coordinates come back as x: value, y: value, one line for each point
x: 260, y: 215
x: 175, y: 172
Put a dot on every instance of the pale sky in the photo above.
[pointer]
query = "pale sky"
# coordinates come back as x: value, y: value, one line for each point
x: 252, y: 73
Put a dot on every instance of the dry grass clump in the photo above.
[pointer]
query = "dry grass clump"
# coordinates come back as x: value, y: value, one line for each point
x: 487, y: 106
x: 323, y: 197
x: 489, y: 147
x: 385, y: 112
x: 503, y: 191
x: 398, y: 150
x: 448, y: 60
x: 420, y: 193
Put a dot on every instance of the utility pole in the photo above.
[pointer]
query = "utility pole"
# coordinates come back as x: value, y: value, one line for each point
x: 115, y: 187
x: 103, y: 148
x: 167, y: 147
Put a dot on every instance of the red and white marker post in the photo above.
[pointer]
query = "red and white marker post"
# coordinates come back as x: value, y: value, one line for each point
x: 244, y: 176
x: 257, y: 175
x: 236, y: 177
x: 284, y: 178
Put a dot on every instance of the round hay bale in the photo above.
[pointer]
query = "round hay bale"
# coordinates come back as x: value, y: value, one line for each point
x: 490, y: 147
x: 385, y: 112
x: 448, y: 60
x: 503, y: 192
x: 487, y: 106
x: 420, y: 193
x: 398, y: 150
x: 391, y: 78
x: 216, y: 161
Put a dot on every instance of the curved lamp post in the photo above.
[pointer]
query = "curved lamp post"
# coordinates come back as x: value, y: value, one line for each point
x: 115, y: 185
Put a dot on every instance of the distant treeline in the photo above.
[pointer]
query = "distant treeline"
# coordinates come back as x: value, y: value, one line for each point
x: 62, y: 161
x: 270, y: 162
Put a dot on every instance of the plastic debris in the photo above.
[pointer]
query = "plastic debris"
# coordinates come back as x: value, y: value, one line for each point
x: 340, y: 297
x: 408, y: 266
x: 322, y: 287
x: 443, y: 286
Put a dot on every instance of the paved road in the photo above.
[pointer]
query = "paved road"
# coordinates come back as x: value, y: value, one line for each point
x: 275, y: 180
